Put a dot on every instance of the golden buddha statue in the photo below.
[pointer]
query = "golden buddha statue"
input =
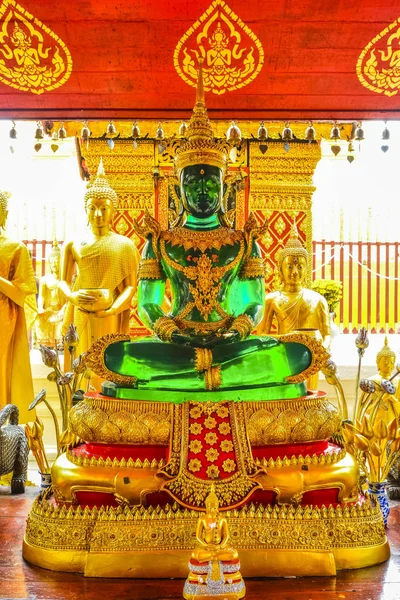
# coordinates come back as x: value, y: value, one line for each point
x: 389, y: 407
x: 51, y: 303
x: 221, y: 577
x: 99, y: 300
x: 212, y: 534
x: 295, y: 307
x: 17, y: 282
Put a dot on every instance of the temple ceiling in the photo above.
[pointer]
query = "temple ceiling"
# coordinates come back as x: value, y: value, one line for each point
x: 270, y: 59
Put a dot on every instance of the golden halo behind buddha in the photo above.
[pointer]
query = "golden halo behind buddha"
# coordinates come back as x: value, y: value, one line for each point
x: 200, y: 147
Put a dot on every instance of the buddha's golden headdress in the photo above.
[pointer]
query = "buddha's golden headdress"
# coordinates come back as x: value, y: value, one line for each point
x: 293, y: 247
x: 385, y: 351
x: 200, y: 147
x: 100, y: 188
x: 4, y: 196
x: 55, y: 251
x: 212, y: 497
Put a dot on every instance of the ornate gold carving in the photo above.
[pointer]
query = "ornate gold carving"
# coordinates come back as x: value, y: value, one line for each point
x: 226, y: 446
x: 207, y: 278
x: 199, y: 327
x: 203, y: 360
x: 164, y: 327
x: 233, y: 56
x: 194, y: 465
x: 318, y: 352
x: 299, y: 460
x: 212, y: 378
x: 378, y: 66
x: 252, y: 267
x: 120, y: 422
x: 196, y: 446
x: 95, y: 358
x: 211, y: 438
x: 191, y: 239
x: 212, y: 455
x: 124, y: 528
x: 244, y: 325
x: 291, y: 421
x: 228, y: 465
x: 130, y: 463
x: 231, y: 490
x: 32, y: 57
x: 150, y: 268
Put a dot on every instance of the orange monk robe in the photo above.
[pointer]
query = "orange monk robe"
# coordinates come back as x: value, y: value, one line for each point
x: 16, y: 385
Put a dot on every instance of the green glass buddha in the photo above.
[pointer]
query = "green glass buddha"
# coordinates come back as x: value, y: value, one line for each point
x: 216, y: 276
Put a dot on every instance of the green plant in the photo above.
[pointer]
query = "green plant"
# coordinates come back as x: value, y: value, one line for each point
x: 330, y: 289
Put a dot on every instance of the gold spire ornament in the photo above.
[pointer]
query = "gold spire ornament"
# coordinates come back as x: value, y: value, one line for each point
x: 100, y: 188
x: 200, y: 147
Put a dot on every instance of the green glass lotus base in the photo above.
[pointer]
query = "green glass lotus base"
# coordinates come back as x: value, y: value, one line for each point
x: 286, y: 391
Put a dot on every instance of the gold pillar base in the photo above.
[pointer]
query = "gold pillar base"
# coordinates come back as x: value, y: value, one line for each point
x: 140, y: 542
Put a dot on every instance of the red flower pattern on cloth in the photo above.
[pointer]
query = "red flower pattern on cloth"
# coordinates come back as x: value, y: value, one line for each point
x: 211, y: 453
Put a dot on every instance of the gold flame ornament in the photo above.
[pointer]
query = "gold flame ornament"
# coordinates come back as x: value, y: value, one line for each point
x: 378, y: 66
x: 233, y: 55
x: 32, y: 57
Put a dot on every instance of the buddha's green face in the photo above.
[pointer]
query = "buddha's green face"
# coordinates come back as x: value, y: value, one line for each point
x: 202, y: 188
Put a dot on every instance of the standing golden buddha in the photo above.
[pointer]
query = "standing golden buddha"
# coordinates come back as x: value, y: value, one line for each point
x: 51, y: 303
x: 105, y: 266
x: 17, y: 281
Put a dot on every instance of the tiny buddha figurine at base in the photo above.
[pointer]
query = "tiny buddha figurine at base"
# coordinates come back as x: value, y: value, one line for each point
x: 203, y: 405
x: 51, y: 304
x: 214, y: 565
x: 295, y: 307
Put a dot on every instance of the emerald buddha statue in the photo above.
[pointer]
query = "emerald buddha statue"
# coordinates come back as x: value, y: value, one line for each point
x: 216, y: 276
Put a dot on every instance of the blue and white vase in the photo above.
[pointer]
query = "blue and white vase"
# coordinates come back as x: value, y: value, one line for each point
x: 378, y: 490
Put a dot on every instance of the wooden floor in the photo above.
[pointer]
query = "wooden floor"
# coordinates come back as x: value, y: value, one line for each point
x: 22, y: 581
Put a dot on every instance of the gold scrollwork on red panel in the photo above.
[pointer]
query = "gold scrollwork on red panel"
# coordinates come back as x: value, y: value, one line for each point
x: 32, y: 57
x: 233, y: 55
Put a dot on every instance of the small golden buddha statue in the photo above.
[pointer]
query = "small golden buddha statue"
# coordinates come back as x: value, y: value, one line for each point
x: 295, y: 307
x: 221, y: 576
x: 17, y: 283
x: 212, y: 534
x: 51, y: 303
x: 105, y: 265
x: 389, y: 403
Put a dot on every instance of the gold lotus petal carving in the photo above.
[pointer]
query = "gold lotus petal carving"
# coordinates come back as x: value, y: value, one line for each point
x: 233, y: 55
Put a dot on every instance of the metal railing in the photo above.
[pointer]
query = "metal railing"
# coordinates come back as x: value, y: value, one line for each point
x: 369, y: 272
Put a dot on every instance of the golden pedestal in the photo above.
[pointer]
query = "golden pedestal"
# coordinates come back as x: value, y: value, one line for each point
x: 126, y: 503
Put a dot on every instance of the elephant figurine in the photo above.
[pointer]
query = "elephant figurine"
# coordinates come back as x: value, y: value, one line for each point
x: 14, y: 449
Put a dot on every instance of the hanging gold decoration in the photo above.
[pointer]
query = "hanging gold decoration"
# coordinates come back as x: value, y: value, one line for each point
x: 32, y: 57
x: 378, y: 66
x: 233, y: 55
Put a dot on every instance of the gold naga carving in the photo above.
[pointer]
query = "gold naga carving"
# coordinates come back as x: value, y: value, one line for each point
x: 378, y: 66
x: 233, y: 55
x: 32, y: 57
